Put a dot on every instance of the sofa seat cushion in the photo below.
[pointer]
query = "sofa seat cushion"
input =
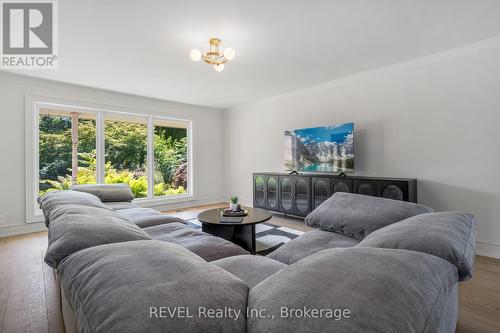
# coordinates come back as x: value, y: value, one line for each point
x: 448, y: 235
x: 79, y: 227
x: 127, y: 287
x: 118, y: 205
x: 107, y: 192
x: 384, y: 290
x: 206, y: 246
x: 309, y: 243
x: 53, y: 200
x: 357, y: 215
x: 251, y: 269
x: 147, y: 217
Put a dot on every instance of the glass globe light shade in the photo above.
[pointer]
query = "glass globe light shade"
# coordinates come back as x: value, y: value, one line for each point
x: 229, y: 53
x: 219, y: 68
x: 195, y: 55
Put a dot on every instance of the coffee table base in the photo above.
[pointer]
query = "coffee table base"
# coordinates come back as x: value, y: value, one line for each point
x: 242, y: 235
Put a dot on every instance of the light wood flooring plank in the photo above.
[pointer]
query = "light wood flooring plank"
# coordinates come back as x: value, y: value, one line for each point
x: 26, y: 309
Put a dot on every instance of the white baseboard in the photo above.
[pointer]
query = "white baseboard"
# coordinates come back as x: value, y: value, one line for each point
x: 488, y: 250
x: 14, y: 230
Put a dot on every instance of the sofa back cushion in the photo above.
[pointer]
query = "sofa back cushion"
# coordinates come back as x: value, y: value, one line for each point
x: 148, y: 286
x: 358, y: 290
x: 107, y: 192
x: 78, y: 227
x: 357, y: 215
x: 448, y: 235
x: 53, y: 200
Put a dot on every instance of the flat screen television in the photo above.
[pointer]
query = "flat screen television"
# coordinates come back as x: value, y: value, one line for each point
x: 320, y: 149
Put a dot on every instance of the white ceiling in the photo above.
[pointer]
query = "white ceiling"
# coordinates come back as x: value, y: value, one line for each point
x: 141, y: 47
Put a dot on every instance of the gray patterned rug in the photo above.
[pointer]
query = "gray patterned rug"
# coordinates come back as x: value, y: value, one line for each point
x: 269, y: 237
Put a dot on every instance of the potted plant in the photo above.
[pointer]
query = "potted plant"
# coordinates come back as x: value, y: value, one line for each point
x: 234, y: 205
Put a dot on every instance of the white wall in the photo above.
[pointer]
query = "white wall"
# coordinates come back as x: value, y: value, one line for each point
x: 436, y: 119
x: 207, y: 137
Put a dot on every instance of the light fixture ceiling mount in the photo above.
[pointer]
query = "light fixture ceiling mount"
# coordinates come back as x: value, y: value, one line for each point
x: 216, y: 56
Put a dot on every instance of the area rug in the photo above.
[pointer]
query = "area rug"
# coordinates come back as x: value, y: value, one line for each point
x: 268, y: 236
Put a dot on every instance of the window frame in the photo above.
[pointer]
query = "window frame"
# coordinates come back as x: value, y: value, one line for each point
x: 33, y: 105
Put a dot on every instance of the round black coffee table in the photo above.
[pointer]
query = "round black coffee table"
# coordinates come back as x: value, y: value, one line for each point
x: 242, y: 234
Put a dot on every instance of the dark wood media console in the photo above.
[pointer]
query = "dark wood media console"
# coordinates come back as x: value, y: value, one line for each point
x: 301, y: 193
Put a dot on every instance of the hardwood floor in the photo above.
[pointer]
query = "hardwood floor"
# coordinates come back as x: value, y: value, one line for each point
x: 29, y: 295
x: 479, y: 307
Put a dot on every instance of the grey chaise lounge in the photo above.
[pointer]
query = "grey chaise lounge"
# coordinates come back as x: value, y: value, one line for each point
x: 397, y: 271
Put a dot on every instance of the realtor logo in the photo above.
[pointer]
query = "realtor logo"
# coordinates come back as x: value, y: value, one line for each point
x: 28, y: 34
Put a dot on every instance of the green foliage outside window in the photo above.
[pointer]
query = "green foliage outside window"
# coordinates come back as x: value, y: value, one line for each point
x: 126, y: 155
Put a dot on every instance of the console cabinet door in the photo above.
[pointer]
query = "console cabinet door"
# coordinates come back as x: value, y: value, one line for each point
x: 341, y: 185
x: 365, y: 187
x: 286, y: 194
x: 302, y: 197
x: 272, y: 198
x: 393, y: 190
x: 320, y: 191
x: 259, y: 191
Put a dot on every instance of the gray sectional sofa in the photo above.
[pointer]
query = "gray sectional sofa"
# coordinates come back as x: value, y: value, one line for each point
x: 373, y: 265
x: 92, y: 215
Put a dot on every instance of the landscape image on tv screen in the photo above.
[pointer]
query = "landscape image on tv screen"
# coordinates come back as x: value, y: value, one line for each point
x: 320, y: 149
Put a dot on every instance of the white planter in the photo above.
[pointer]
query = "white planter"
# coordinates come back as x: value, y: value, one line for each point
x: 234, y: 207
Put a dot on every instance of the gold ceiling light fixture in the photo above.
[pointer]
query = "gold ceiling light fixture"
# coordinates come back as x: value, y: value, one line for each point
x: 216, y: 56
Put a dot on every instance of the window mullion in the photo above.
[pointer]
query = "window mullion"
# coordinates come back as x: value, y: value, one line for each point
x: 150, y: 157
x: 100, y: 156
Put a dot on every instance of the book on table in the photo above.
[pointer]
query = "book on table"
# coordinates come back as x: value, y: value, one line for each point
x: 231, y: 219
